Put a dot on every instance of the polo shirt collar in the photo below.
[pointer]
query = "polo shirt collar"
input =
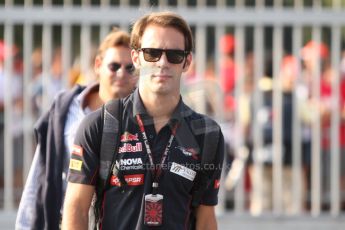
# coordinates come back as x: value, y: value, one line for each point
x: 138, y: 106
x: 179, y: 113
x: 82, y: 96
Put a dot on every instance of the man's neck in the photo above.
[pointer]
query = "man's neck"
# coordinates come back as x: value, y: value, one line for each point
x: 93, y: 101
x: 160, y: 107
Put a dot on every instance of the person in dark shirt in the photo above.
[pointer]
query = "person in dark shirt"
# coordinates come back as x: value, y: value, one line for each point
x: 159, y: 154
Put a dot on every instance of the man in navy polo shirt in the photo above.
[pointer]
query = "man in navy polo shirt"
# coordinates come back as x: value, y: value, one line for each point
x: 159, y: 154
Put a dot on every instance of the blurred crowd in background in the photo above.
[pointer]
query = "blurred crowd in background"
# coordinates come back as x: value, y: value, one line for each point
x: 296, y: 77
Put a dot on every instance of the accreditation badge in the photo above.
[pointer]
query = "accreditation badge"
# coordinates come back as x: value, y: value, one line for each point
x: 153, y: 210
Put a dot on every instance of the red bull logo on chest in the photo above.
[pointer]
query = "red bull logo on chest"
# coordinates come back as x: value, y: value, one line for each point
x: 127, y: 136
x: 131, y: 148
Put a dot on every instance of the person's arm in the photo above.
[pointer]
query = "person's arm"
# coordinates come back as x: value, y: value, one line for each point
x: 76, y: 206
x: 83, y: 173
x: 28, y: 206
x: 205, y: 212
x: 205, y: 218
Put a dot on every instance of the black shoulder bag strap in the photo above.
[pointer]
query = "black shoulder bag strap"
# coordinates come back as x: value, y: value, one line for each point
x: 112, y: 117
x: 210, y: 130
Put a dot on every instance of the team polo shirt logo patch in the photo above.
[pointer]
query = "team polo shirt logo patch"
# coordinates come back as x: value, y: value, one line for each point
x: 216, y: 184
x: 131, y: 148
x: 127, y: 136
x: 131, y: 164
x: 127, y: 147
x: 75, y: 164
x: 189, y: 152
x: 132, y: 180
x: 77, y: 150
x: 183, y: 171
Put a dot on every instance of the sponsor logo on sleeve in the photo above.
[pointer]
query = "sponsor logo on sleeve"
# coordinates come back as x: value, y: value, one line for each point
x: 75, y: 164
x: 132, y: 180
x: 189, y: 152
x: 183, y: 171
x: 127, y: 136
x: 77, y: 150
x: 216, y: 184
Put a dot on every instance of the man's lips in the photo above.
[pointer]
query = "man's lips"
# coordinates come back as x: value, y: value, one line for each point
x: 162, y: 76
x: 119, y: 82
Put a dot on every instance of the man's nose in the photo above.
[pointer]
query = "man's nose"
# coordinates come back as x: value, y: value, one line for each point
x: 163, y: 60
x: 121, y: 72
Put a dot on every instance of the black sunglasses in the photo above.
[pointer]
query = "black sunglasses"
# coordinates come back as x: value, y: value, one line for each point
x: 173, y: 56
x: 114, y: 66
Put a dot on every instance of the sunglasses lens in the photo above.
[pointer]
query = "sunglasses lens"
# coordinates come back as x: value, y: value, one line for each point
x: 175, y: 56
x: 152, y: 55
x: 129, y: 68
x: 113, y: 67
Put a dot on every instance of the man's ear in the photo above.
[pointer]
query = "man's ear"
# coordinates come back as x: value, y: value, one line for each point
x: 97, y: 65
x: 187, y: 62
x: 135, y: 58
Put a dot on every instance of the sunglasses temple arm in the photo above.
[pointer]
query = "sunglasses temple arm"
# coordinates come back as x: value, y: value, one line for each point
x: 185, y: 62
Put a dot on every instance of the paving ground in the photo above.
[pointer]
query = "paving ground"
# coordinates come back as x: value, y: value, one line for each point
x: 7, y: 220
x: 244, y: 222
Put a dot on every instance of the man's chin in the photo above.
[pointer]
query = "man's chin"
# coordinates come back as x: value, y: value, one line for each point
x: 161, y: 90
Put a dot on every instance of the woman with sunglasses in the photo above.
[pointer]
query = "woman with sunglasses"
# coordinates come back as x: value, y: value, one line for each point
x: 162, y: 144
